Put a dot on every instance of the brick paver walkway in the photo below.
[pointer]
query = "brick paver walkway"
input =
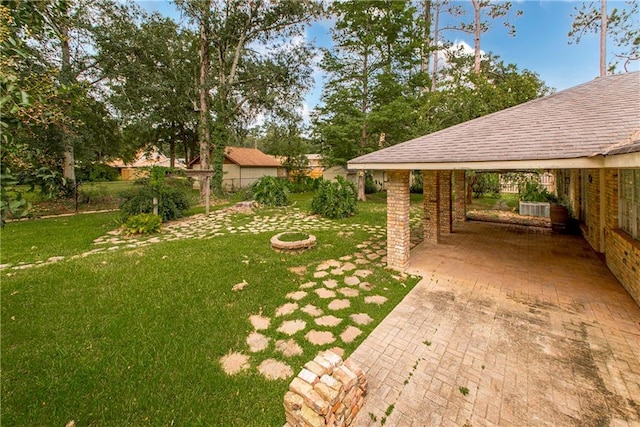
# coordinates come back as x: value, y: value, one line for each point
x: 509, y: 326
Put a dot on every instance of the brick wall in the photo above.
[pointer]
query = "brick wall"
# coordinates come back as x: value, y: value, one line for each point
x: 446, y: 219
x: 398, y: 228
x: 431, y: 203
x: 592, y: 229
x: 460, y: 201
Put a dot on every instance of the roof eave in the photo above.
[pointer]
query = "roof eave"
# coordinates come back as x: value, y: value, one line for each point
x: 575, y: 163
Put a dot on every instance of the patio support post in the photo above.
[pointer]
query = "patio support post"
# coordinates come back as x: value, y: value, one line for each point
x: 460, y: 201
x: 430, y: 185
x: 446, y: 218
x: 398, y: 227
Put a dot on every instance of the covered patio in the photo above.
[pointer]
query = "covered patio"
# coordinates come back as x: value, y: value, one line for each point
x: 510, y: 325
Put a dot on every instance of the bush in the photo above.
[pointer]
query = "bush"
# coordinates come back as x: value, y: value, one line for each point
x: 532, y: 191
x: 143, y: 223
x: 335, y: 199
x: 97, y: 172
x: 304, y: 185
x: 170, y: 191
x: 486, y: 184
x: 370, y: 187
x: 271, y: 191
x: 416, y: 184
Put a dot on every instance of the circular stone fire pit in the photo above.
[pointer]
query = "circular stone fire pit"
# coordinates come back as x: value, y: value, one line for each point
x: 282, y: 242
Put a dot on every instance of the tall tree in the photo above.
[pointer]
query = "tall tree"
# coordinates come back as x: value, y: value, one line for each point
x: 374, y: 69
x: 251, y: 62
x: 620, y: 27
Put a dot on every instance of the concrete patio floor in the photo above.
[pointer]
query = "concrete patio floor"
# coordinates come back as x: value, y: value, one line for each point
x: 509, y: 326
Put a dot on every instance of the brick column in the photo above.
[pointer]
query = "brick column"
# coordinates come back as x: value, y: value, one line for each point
x: 445, y: 202
x: 460, y: 201
x: 398, y: 227
x: 430, y: 185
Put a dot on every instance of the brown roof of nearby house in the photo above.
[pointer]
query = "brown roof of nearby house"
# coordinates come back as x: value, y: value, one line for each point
x: 583, y: 121
x: 248, y: 157
x: 146, y: 159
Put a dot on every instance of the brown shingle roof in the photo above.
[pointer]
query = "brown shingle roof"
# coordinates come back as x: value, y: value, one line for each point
x: 583, y: 121
x: 250, y: 157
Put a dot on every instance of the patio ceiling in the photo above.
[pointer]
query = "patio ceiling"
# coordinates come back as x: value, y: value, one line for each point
x: 593, y: 125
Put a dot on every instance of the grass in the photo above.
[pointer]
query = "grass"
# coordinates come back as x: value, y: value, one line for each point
x: 503, y: 202
x: 134, y: 336
x: 293, y: 237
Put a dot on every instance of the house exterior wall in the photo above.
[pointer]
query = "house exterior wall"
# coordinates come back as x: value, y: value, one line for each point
x: 599, y: 223
x: 331, y: 173
x: 236, y: 177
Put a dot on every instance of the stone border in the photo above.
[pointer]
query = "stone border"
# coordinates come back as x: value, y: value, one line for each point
x: 296, y: 246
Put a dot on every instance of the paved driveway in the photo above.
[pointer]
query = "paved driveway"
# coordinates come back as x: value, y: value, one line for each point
x: 510, y: 326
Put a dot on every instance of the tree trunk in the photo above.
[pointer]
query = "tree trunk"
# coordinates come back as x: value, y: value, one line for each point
x: 68, y: 155
x: 203, y: 129
x: 603, y: 38
x: 172, y: 147
x: 476, y: 35
x: 364, y: 107
x: 436, y: 24
x: 362, y: 196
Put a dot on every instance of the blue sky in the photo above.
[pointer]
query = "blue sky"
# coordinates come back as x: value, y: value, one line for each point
x: 540, y: 44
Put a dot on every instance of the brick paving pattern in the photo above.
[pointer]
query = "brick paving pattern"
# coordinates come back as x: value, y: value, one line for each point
x: 510, y: 326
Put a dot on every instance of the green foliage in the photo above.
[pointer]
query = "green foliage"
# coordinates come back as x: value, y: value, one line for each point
x: 144, y: 223
x: 486, y: 184
x: 463, y: 390
x: 533, y: 191
x: 97, y: 172
x: 304, y: 184
x: 293, y: 237
x: 335, y: 199
x: 370, y: 185
x: 171, y: 194
x: 271, y: 191
x: 416, y: 184
x: 12, y: 204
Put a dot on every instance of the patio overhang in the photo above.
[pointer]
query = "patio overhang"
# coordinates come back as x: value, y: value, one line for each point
x: 594, y: 162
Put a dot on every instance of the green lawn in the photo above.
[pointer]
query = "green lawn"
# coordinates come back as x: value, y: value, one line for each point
x: 134, y: 336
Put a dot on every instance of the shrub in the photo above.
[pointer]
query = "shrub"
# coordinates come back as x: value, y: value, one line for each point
x: 370, y: 187
x: 335, y: 199
x: 304, y: 185
x: 416, y: 184
x: 271, y: 191
x: 171, y: 193
x: 143, y: 223
x: 486, y: 184
x: 97, y: 172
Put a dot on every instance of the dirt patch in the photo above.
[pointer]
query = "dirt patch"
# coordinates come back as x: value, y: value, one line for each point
x: 300, y: 271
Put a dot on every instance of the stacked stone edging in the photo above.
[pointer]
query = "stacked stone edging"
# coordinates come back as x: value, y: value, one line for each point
x: 326, y: 392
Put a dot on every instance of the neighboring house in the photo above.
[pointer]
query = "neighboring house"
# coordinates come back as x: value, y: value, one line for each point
x: 315, y: 168
x: 244, y: 166
x: 139, y: 167
x: 351, y: 175
x: 589, y: 135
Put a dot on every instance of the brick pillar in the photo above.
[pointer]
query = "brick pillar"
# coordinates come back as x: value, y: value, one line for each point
x: 445, y: 202
x: 430, y: 185
x: 398, y: 227
x: 460, y: 201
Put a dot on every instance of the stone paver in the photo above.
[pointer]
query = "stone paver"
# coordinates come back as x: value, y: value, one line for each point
x: 287, y: 308
x: 375, y: 299
x: 288, y: 347
x: 291, y: 327
x: 533, y: 325
x: 273, y: 369
x: 351, y: 280
x: 297, y: 295
x: 328, y: 320
x: 350, y: 334
x: 257, y: 342
x: 339, y: 304
x: 320, y: 337
x: 312, y: 310
x: 361, y: 318
x: 325, y: 293
x: 259, y: 322
x: 232, y: 363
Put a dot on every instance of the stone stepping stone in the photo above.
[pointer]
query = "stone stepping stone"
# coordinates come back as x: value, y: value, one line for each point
x: 323, y: 266
x: 287, y: 308
x: 296, y: 296
x: 320, y: 337
x: 334, y: 263
x: 339, y: 304
x: 348, y: 266
x: 290, y: 327
x: 362, y: 261
x: 307, y: 285
x: 361, y: 318
x: 233, y: 363
x: 337, y: 272
x: 363, y: 273
x: 339, y: 351
x: 272, y: 369
x: 349, y: 292
x: 373, y: 256
x: 257, y: 342
x: 288, y: 348
x: 328, y: 320
x: 350, y: 334
x: 320, y: 274
x: 240, y: 286
x: 375, y: 299
x: 331, y: 283
x: 345, y: 258
x: 351, y: 280
x: 312, y: 310
x: 366, y: 286
x: 325, y: 293
x: 259, y: 322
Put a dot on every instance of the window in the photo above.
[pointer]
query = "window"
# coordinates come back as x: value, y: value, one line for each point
x: 629, y: 201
